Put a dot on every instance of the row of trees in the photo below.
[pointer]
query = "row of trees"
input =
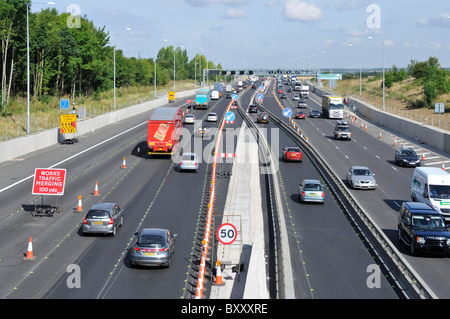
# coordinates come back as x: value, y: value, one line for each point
x: 433, y: 77
x: 75, y: 61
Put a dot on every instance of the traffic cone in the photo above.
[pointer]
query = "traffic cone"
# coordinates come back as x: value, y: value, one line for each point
x: 124, y: 163
x: 395, y: 141
x: 96, y: 193
x: 423, y: 155
x: 379, y: 136
x: 219, y: 280
x: 29, y: 255
x: 366, y: 127
x: 199, y: 292
x: 80, y: 205
x: 443, y: 165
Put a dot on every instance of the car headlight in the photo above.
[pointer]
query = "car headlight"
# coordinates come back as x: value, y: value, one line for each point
x: 448, y: 242
x: 420, y: 240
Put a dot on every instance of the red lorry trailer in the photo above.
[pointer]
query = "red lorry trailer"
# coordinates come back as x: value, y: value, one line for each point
x: 164, y: 130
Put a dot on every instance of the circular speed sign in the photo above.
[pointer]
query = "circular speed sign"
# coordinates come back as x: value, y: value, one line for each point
x: 226, y: 233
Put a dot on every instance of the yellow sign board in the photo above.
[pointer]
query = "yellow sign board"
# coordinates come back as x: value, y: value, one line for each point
x: 171, y: 96
x: 68, y: 123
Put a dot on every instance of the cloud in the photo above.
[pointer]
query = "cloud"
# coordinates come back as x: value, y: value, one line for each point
x: 205, y: 3
x: 302, y: 11
x: 442, y: 20
x: 235, y: 14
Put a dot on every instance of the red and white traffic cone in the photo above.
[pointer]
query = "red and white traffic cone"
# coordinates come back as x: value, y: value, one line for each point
x: 80, y: 205
x: 30, y: 255
x: 124, y: 163
x: 219, y: 280
x: 96, y: 193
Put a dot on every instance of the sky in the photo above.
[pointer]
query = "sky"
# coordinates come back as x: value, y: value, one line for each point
x: 276, y: 34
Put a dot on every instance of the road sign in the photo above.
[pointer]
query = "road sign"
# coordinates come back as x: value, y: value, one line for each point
x: 64, y: 104
x: 234, y: 97
x: 171, y: 96
x: 260, y: 97
x: 68, y: 123
x: 287, y: 112
x: 226, y: 234
x: 230, y: 117
x: 49, y: 181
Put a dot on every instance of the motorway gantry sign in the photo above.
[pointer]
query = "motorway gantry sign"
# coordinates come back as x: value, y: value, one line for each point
x: 68, y: 123
x: 49, y: 181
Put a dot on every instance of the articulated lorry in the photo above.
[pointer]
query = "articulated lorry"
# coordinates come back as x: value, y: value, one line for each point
x: 202, y: 98
x: 164, y: 130
x: 332, y: 107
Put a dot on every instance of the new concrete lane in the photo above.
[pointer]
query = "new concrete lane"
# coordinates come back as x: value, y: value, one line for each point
x: 329, y: 259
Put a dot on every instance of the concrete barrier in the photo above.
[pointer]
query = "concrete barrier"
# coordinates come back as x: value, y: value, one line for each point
x: 23, y: 145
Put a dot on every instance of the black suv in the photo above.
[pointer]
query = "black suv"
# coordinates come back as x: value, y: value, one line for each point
x: 252, y: 108
x: 422, y: 228
x: 406, y: 157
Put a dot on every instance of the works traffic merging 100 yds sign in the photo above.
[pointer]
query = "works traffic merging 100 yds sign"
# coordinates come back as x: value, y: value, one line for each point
x: 49, y: 181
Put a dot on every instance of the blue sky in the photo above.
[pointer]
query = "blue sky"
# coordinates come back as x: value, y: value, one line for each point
x: 289, y: 34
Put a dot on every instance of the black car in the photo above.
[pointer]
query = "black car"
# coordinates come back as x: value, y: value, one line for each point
x: 252, y: 108
x: 263, y: 118
x: 406, y: 157
x: 422, y: 228
x: 314, y: 113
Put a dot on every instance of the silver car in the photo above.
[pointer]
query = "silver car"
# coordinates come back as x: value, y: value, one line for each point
x: 188, y: 162
x: 103, y: 218
x: 361, y: 177
x: 154, y: 247
x: 189, y: 118
x: 212, y: 117
x: 311, y: 190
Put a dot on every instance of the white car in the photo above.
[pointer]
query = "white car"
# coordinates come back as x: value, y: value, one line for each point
x: 361, y: 177
x: 296, y: 98
x: 212, y: 117
x: 189, y: 118
x: 188, y: 162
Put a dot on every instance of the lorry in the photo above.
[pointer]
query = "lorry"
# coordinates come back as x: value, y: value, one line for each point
x: 332, y: 107
x: 431, y: 185
x: 219, y: 88
x: 165, y: 126
x: 240, y: 84
x: 304, y: 93
x: 202, y: 98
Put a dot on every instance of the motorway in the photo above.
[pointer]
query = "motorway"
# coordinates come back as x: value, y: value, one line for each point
x: 329, y: 259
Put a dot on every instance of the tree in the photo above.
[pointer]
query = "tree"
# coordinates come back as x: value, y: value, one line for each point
x: 430, y: 93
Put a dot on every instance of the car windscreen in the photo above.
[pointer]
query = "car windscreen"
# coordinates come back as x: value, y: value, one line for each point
x: 189, y: 157
x: 430, y: 222
x: 152, y: 241
x: 293, y: 149
x: 362, y: 172
x: 97, y: 214
x: 336, y: 106
x: 440, y: 191
x: 312, y: 187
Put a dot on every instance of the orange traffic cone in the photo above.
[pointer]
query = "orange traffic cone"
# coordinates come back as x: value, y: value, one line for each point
x: 423, y: 155
x: 366, y: 127
x: 379, y: 136
x: 29, y: 255
x: 443, y: 165
x: 219, y: 280
x: 395, y: 141
x: 124, y: 163
x: 96, y: 193
x: 80, y: 205
x: 199, y: 290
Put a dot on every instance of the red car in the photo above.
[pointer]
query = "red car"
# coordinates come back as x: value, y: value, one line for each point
x: 280, y: 91
x: 292, y: 153
x: 299, y: 115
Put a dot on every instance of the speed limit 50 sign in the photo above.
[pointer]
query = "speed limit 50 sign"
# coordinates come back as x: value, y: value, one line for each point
x: 226, y: 234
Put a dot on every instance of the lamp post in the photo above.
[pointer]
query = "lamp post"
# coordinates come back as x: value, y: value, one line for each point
x: 28, y: 63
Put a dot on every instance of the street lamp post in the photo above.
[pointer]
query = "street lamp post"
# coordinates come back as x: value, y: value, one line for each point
x: 28, y: 63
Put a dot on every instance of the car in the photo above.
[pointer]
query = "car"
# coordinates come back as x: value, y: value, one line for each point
x: 102, y: 218
x: 212, y: 117
x: 252, y: 108
x: 407, y: 157
x: 289, y: 89
x: 188, y: 162
x: 283, y: 96
x: 361, y: 177
x: 189, y: 118
x: 262, y: 118
x: 296, y: 98
x: 311, y: 190
x: 202, y: 131
x: 301, y: 104
x: 299, y: 115
x: 342, y: 131
x: 314, y: 113
x: 280, y: 91
x: 422, y: 228
x: 154, y: 247
x: 291, y: 153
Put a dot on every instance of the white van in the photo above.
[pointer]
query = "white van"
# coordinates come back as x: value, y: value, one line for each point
x: 215, y: 95
x: 431, y: 185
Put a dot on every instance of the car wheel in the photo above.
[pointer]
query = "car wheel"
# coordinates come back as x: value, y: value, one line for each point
x: 114, y: 231
x: 399, y: 235
x: 412, y: 249
x: 121, y: 221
